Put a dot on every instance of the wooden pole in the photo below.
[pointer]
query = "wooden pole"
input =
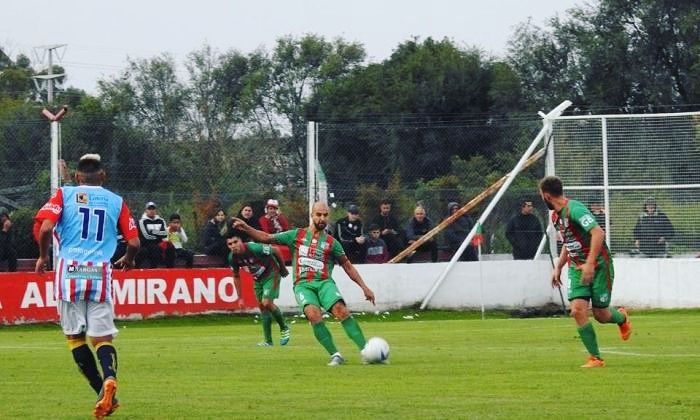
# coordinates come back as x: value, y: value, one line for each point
x: 465, y: 209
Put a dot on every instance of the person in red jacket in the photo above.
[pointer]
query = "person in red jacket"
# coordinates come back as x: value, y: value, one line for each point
x: 273, y: 221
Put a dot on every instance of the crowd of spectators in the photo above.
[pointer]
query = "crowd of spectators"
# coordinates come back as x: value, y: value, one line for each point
x: 165, y: 244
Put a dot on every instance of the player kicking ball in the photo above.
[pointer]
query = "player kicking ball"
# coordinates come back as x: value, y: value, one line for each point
x: 266, y: 264
x: 591, y: 270
x: 314, y: 254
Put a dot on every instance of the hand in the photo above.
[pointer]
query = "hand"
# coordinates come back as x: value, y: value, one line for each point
x: 284, y: 272
x: 124, y: 264
x: 239, y: 224
x: 556, y: 278
x: 6, y: 225
x: 587, y: 271
x: 40, y: 267
x: 386, y: 232
x: 360, y: 240
x: 239, y: 303
x: 369, y: 294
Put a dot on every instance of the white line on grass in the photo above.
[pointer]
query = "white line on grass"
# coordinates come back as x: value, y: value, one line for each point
x: 631, y: 353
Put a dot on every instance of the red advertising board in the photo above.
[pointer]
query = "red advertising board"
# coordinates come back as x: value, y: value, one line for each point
x: 29, y: 297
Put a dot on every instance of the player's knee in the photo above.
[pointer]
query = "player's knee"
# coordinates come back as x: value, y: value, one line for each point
x: 601, y: 315
x: 313, y: 314
x: 340, y: 311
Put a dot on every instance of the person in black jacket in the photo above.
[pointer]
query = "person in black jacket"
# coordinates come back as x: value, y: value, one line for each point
x: 247, y: 215
x: 524, y: 232
x: 215, y: 234
x: 7, y: 248
x: 457, y: 232
x: 348, y: 231
x: 652, y: 231
x: 418, y: 226
x: 152, y: 233
x: 391, y: 230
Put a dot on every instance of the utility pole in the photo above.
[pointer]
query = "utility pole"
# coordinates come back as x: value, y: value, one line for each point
x: 49, y: 77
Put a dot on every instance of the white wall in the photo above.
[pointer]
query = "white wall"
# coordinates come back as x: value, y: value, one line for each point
x: 640, y: 283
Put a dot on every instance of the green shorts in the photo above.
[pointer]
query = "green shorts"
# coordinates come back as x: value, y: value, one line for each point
x: 323, y: 294
x: 268, y: 287
x: 598, y: 291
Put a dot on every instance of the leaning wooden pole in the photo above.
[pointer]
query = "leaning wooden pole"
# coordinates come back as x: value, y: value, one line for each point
x: 465, y: 209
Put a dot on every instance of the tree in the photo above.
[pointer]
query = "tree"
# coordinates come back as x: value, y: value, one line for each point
x: 640, y: 53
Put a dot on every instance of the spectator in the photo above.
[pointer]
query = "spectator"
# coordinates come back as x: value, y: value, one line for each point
x: 392, y: 233
x: 7, y: 248
x: 652, y: 231
x: 348, y: 231
x: 177, y: 238
x: 273, y: 221
x: 377, y: 251
x: 152, y: 232
x: 418, y: 226
x: 524, y: 232
x: 245, y: 214
x: 458, y: 231
x: 215, y: 234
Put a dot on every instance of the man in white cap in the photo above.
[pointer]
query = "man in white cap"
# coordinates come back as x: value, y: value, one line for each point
x: 273, y: 221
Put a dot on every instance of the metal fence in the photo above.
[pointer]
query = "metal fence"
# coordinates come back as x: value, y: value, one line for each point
x: 620, y: 163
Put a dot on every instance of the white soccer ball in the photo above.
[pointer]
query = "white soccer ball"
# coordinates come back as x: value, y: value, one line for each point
x: 376, y: 351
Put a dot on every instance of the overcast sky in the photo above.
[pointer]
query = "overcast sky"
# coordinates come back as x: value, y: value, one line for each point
x: 100, y: 34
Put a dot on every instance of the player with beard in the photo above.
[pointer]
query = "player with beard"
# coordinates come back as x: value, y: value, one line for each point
x: 591, y: 270
x: 314, y: 254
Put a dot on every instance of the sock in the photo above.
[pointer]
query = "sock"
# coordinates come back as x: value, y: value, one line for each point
x: 107, y: 355
x: 86, y: 362
x: 324, y: 337
x: 353, y: 330
x: 267, y: 326
x: 277, y: 315
x: 616, y: 317
x: 588, y: 337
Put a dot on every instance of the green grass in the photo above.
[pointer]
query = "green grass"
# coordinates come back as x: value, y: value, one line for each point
x: 443, y: 365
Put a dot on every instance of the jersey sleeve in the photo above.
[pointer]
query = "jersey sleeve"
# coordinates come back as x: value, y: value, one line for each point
x: 232, y: 264
x: 259, y: 250
x: 583, y: 217
x: 337, y: 249
x: 127, y: 226
x: 52, y: 211
x: 286, y: 238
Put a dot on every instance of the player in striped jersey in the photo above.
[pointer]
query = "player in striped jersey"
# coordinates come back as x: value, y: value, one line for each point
x: 591, y: 270
x: 314, y: 253
x: 85, y: 220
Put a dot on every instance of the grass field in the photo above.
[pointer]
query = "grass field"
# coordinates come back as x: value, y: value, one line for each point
x: 443, y: 365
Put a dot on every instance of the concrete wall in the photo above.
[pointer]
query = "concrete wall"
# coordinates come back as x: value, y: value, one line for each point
x: 640, y: 283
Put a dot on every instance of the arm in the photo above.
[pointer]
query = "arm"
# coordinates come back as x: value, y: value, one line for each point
x: 127, y: 227
x: 355, y: 276
x: 256, y: 235
x: 279, y: 258
x: 560, y: 263
x: 44, y: 239
x: 183, y: 235
x: 588, y: 268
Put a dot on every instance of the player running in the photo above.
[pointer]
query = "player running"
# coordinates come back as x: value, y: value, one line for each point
x: 266, y: 264
x: 314, y: 253
x: 86, y: 220
x: 591, y: 270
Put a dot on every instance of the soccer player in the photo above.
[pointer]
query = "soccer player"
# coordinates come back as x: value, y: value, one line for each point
x: 86, y: 219
x: 591, y: 270
x: 266, y: 264
x: 314, y: 253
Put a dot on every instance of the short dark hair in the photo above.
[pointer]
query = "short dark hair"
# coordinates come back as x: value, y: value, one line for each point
x: 174, y: 216
x: 90, y: 163
x: 552, y: 185
x: 385, y: 201
x: 374, y: 226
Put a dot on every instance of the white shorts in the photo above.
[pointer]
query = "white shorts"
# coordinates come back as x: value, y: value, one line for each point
x: 95, y: 319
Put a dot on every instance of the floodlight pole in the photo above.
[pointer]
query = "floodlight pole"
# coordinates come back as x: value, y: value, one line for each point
x: 55, y: 141
x: 510, y: 177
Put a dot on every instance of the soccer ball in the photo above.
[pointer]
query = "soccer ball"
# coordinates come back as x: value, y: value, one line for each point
x: 376, y: 351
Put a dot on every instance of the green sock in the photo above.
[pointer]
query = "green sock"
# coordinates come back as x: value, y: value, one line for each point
x: 353, y: 330
x: 324, y: 337
x: 588, y: 337
x: 267, y: 326
x: 616, y: 317
x: 277, y: 315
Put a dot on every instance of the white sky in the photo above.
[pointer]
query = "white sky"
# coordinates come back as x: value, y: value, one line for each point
x: 101, y: 34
